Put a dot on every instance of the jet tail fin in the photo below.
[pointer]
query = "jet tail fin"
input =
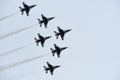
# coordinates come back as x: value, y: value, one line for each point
x: 52, y: 51
x: 56, y: 34
x: 21, y: 10
x: 45, y: 69
x: 40, y: 22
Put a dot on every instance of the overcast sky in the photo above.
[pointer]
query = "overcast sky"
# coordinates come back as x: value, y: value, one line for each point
x: 93, y: 44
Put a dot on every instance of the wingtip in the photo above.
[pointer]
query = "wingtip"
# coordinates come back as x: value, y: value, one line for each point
x: 50, y: 36
x: 50, y: 48
x: 51, y: 74
x: 53, y: 17
x: 23, y: 2
x: 34, y: 38
x: 38, y: 19
x: 47, y: 62
x: 38, y: 33
x: 42, y: 45
x: 41, y: 14
x: 70, y: 29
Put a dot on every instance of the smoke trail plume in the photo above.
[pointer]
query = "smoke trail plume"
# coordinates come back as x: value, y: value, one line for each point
x: 3, y: 18
x: 12, y: 51
x: 22, y: 62
x: 15, y: 32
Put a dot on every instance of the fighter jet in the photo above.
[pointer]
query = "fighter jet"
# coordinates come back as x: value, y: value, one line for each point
x: 26, y: 8
x: 61, y: 33
x: 57, y: 50
x: 50, y: 68
x: 41, y: 39
x: 44, y: 20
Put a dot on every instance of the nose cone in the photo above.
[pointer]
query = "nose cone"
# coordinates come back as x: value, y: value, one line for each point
x: 49, y: 36
x: 70, y: 29
x: 58, y: 66
x: 34, y: 5
x: 53, y: 17
x: 65, y: 47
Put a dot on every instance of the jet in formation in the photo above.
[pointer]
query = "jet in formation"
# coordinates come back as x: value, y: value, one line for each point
x: 61, y: 33
x: 26, y: 8
x: 41, y: 39
x: 44, y: 20
x: 57, y: 50
x: 50, y: 68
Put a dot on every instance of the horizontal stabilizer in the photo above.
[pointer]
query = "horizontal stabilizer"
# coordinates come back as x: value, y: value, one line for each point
x: 52, y: 51
x: 21, y: 10
x: 40, y: 22
x: 56, y: 34
x: 45, y: 69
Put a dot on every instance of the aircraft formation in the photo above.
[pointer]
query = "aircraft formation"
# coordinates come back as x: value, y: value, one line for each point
x: 45, y: 20
x: 41, y: 40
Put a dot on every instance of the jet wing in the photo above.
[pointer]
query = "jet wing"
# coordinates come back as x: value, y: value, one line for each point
x: 27, y: 12
x: 40, y: 36
x: 49, y: 65
x: 51, y: 71
x: 62, y: 36
x: 43, y: 17
x: 45, y: 23
x: 56, y: 47
x: 25, y: 5
x: 59, y: 29
x: 42, y: 43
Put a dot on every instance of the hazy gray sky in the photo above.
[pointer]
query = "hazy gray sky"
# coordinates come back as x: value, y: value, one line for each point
x: 94, y: 47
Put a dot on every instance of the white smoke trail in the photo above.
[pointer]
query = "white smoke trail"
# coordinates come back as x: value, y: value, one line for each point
x: 22, y: 62
x: 15, y: 32
x: 3, y: 18
x: 13, y: 51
